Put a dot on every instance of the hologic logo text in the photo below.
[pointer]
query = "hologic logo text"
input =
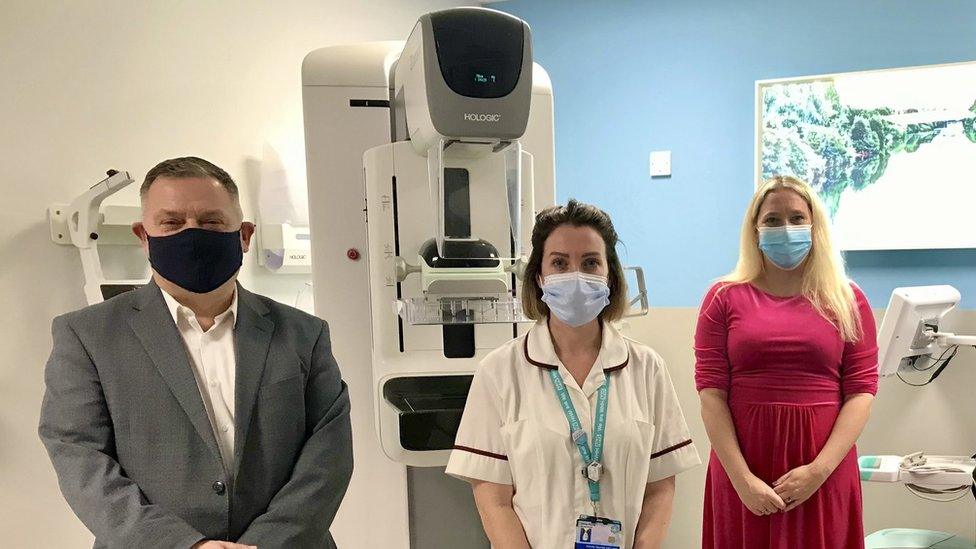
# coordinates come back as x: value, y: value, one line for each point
x: 474, y: 117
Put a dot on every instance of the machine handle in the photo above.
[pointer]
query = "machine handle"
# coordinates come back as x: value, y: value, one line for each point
x: 947, y: 339
x: 82, y: 214
x: 641, y: 296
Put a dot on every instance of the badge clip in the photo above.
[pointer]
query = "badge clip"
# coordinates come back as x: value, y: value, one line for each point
x: 593, y: 471
x: 578, y: 435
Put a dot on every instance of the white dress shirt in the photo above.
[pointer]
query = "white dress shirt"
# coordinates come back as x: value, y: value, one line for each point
x: 514, y: 431
x: 214, y: 362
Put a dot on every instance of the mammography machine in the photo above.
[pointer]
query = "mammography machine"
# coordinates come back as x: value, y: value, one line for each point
x: 427, y: 161
x: 911, y: 342
x: 413, y: 239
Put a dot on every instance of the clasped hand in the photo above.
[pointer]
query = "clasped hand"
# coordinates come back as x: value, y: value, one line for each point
x: 797, y: 485
x: 789, y: 491
x: 757, y: 496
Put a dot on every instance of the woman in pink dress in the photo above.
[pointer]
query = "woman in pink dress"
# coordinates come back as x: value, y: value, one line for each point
x: 786, y: 368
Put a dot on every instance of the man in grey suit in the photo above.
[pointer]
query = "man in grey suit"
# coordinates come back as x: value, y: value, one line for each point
x: 191, y: 413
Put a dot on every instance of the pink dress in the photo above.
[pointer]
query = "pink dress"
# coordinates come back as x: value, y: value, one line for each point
x: 787, y: 371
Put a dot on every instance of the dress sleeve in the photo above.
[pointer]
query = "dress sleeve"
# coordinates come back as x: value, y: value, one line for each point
x: 672, y: 450
x: 712, y: 369
x: 479, y: 451
x: 859, y: 366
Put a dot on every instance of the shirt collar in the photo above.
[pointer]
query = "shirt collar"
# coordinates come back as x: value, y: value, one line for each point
x: 614, y: 353
x: 175, y: 309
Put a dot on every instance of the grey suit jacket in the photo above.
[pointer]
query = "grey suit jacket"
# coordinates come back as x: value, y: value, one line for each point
x: 135, y: 454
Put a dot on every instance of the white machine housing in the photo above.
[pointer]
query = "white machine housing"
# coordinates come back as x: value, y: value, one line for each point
x: 402, y: 349
x: 910, y: 327
x: 919, y: 469
x: 445, y: 93
x: 936, y: 474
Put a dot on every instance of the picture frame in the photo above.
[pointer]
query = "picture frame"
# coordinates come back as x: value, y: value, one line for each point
x: 891, y: 153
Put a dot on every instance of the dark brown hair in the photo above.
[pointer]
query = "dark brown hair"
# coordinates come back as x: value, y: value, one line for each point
x: 188, y: 167
x: 577, y: 214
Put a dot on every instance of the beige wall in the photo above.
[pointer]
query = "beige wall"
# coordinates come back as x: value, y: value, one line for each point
x: 940, y: 419
x: 92, y: 85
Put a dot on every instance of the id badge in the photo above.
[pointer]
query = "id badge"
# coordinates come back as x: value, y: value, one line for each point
x: 598, y: 533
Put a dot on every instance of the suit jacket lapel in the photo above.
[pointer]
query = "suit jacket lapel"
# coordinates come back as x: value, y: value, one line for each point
x: 154, y: 326
x: 252, y: 335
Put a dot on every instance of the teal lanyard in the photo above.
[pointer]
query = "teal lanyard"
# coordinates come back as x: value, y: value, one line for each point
x: 591, y: 460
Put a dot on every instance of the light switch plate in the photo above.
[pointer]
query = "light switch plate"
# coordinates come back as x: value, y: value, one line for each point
x: 660, y: 163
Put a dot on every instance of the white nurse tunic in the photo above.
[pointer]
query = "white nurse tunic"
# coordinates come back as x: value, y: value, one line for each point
x: 514, y: 431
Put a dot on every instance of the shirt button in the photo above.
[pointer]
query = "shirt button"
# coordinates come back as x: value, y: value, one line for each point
x: 219, y: 488
x: 225, y: 428
x: 213, y: 383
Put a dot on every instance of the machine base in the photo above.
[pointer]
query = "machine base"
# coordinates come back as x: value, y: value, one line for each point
x: 905, y: 538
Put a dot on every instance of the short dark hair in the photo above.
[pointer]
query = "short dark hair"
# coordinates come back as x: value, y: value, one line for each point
x: 577, y: 214
x: 187, y: 167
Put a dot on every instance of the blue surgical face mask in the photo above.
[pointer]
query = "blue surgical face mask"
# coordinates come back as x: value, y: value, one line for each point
x: 197, y: 260
x: 787, y: 246
x: 575, y: 298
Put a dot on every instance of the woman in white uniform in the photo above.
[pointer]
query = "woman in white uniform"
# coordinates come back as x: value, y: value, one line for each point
x: 535, y: 484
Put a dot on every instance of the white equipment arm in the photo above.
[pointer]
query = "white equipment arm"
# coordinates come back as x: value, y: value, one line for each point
x: 82, y: 213
x: 947, y: 339
x: 81, y: 220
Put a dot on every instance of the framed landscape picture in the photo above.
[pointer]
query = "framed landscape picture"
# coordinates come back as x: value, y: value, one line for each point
x: 891, y: 153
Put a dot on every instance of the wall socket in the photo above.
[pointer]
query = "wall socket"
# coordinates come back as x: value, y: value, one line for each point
x: 660, y: 163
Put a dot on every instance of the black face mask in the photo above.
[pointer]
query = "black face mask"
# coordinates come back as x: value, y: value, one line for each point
x: 197, y: 260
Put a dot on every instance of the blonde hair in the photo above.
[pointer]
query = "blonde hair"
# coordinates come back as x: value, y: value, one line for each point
x: 825, y: 281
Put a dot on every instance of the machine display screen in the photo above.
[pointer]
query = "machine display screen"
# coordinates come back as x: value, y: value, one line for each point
x: 485, y: 77
x: 479, y: 55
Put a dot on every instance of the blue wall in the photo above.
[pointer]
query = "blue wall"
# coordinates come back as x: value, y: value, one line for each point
x: 635, y: 76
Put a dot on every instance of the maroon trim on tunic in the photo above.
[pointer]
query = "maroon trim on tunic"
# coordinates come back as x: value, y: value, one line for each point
x: 481, y: 452
x: 554, y: 367
x: 671, y: 449
x: 534, y: 362
x: 619, y: 366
